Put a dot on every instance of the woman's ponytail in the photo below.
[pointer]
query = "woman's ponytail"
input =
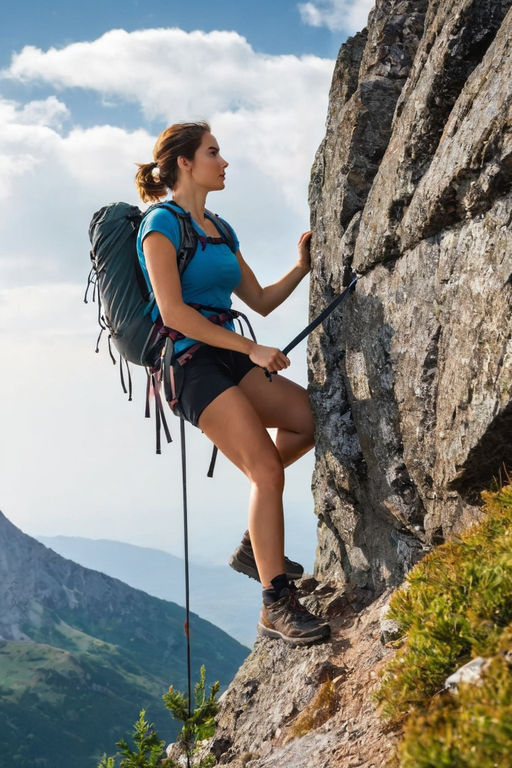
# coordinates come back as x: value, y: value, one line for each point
x: 153, y: 180
x: 149, y: 185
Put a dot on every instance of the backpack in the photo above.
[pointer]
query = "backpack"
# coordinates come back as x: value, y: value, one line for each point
x: 125, y: 303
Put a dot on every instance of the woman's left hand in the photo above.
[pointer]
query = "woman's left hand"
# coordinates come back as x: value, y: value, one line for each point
x: 304, y: 245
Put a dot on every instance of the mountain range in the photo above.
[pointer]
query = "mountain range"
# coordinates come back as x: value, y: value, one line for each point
x: 81, y: 653
x: 228, y: 599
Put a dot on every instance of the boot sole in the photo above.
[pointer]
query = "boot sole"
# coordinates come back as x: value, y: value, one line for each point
x: 323, y: 634
x: 236, y: 565
x: 252, y: 573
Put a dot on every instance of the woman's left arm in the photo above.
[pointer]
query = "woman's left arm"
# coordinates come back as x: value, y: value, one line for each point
x: 264, y: 300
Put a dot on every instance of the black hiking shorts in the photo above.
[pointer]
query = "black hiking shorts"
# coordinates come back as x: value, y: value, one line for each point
x: 205, y: 376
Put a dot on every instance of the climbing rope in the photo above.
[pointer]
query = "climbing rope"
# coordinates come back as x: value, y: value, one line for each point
x: 321, y: 317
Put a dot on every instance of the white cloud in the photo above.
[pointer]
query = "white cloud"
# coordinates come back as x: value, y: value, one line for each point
x: 273, y: 106
x: 174, y: 74
x: 49, y: 112
x: 338, y: 15
x: 26, y: 135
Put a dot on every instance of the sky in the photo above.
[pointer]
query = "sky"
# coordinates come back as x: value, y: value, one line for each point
x: 85, y: 88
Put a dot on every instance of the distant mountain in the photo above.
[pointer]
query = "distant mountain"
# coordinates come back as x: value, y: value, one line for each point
x: 81, y: 653
x: 226, y: 598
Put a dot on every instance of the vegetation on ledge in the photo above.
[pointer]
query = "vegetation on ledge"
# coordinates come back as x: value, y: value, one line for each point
x: 456, y: 605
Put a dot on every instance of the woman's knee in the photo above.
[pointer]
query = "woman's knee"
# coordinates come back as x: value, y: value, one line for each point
x: 267, y: 472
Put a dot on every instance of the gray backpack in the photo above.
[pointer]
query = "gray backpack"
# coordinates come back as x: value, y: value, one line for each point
x: 125, y: 304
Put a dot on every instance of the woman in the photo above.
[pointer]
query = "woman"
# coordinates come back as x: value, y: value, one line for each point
x: 224, y: 391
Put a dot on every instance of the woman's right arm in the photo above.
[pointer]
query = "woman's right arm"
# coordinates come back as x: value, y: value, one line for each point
x: 161, y: 262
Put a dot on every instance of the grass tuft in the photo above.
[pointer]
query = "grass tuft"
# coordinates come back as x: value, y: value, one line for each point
x: 457, y: 605
x: 470, y: 730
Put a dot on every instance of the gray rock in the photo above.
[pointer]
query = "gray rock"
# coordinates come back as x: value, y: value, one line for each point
x: 411, y: 381
x: 469, y: 673
x: 389, y: 628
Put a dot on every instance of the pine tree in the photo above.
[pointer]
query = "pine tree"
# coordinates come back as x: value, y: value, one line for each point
x: 149, y: 749
x: 198, y: 724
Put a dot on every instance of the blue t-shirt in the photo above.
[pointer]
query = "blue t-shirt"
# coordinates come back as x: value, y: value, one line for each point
x: 211, y: 275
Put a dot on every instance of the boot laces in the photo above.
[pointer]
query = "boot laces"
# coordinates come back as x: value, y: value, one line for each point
x: 295, y: 605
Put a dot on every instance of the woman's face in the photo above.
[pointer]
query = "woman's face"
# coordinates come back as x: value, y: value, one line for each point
x: 208, y: 167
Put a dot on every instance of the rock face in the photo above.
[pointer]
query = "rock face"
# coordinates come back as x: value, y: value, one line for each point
x: 310, y: 707
x: 412, y: 381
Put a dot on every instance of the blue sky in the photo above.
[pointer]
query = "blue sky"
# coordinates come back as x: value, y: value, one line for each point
x: 84, y: 90
x: 272, y: 26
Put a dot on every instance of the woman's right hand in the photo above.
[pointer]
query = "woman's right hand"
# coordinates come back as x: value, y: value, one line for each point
x: 268, y: 357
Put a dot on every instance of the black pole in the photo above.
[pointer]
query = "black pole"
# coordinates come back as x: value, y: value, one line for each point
x: 320, y: 318
x: 187, y: 583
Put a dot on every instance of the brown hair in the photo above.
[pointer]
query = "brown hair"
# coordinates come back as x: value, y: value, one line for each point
x: 182, y: 139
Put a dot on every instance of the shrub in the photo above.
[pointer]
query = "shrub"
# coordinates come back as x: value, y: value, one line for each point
x: 198, y: 724
x: 457, y: 605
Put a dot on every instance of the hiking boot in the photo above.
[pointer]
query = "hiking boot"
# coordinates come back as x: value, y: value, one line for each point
x: 242, y: 560
x: 288, y: 619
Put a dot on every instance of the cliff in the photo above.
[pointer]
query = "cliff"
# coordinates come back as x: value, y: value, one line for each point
x: 411, y: 384
x: 411, y: 380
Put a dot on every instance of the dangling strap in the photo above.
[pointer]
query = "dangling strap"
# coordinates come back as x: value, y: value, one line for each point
x: 98, y: 342
x: 157, y: 419
x: 159, y: 406
x: 237, y: 314
x: 169, y: 388
x: 91, y: 280
x: 147, y: 412
x: 212, y: 461
x: 123, y: 361
x: 153, y: 384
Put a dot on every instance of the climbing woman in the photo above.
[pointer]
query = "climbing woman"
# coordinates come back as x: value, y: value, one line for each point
x: 221, y: 376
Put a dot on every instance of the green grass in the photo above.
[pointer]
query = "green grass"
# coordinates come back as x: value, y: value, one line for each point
x: 470, y: 730
x: 457, y: 604
x: 56, y: 702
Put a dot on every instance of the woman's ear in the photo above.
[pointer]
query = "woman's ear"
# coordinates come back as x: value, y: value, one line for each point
x: 183, y: 163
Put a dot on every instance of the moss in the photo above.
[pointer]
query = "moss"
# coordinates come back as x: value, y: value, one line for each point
x: 322, y: 707
x: 457, y: 605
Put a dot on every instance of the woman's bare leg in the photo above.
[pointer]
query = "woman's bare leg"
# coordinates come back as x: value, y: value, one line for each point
x: 234, y: 425
x: 283, y: 404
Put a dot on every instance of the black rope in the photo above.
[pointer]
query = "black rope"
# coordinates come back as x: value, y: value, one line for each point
x: 185, y: 536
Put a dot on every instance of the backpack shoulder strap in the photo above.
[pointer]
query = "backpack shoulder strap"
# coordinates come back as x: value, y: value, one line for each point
x: 188, y: 235
x: 224, y: 228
